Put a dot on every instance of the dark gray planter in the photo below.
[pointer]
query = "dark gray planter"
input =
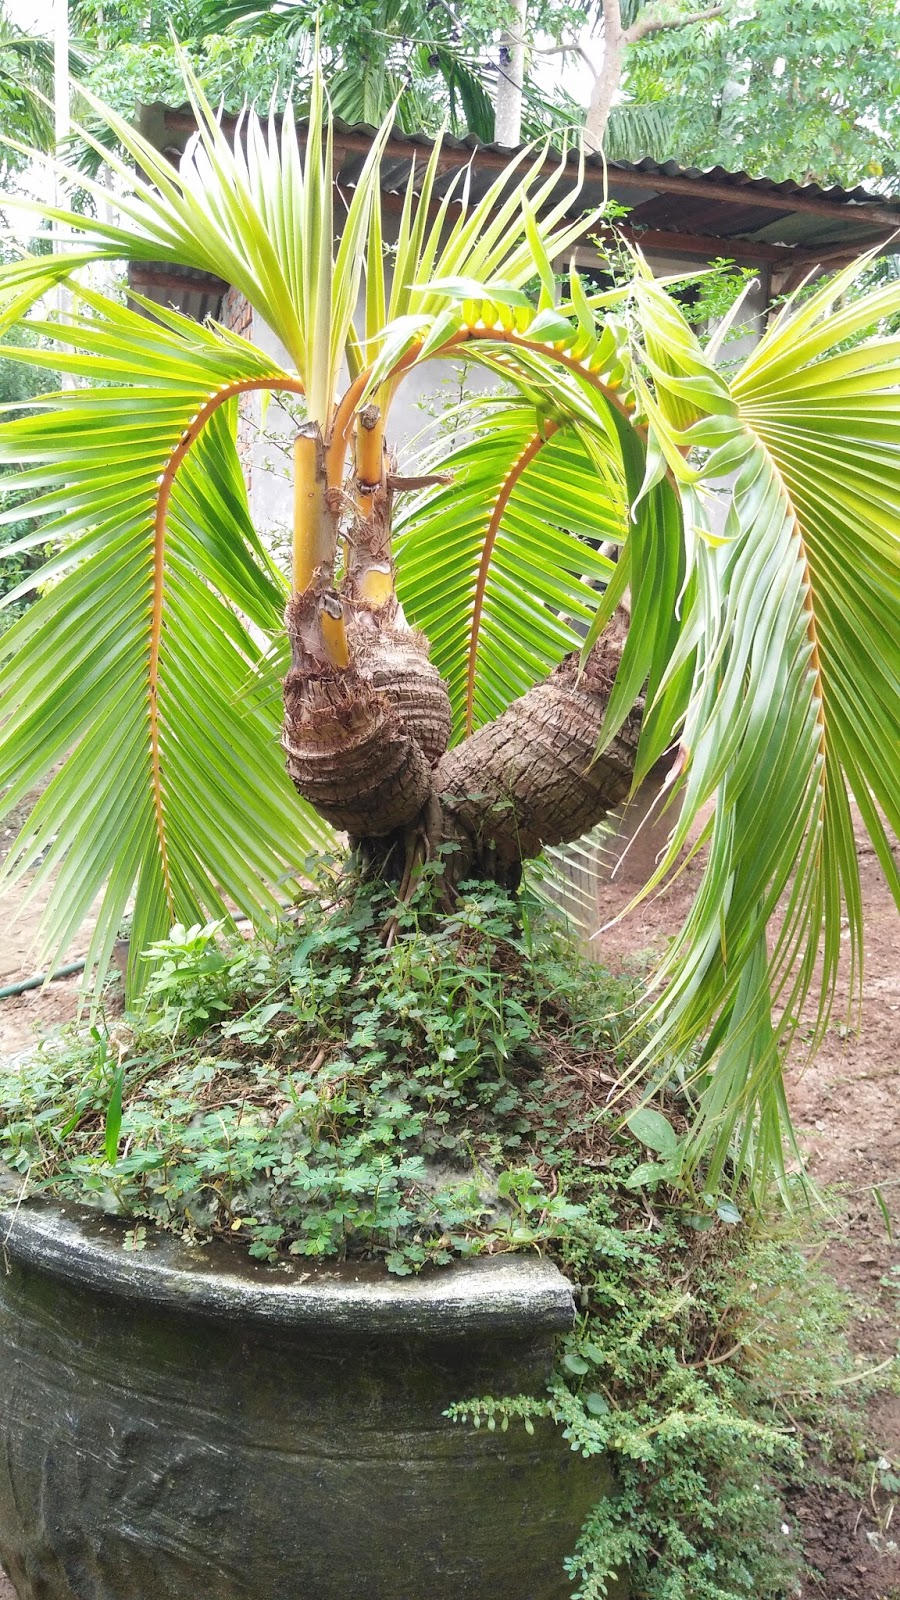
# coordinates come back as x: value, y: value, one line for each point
x: 182, y: 1424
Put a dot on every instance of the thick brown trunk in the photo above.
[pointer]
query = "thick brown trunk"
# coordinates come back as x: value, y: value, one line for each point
x: 395, y: 662
x: 367, y: 717
x: 360, y: 742
x: 366, y: 746
x: 530, y: 778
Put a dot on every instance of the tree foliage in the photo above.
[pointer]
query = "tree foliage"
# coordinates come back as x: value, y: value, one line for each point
x: 26, y: 87
x: 436, y: 62
x: 810, y: 92
x: 807, y: 92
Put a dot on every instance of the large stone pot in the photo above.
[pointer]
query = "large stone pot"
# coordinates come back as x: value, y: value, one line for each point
x: 183, y: 1424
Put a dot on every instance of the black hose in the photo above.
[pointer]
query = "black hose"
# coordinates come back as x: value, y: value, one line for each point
x: 39, y: 978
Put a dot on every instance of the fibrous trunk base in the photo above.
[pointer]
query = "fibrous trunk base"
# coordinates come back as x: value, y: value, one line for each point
x: 367, y: 747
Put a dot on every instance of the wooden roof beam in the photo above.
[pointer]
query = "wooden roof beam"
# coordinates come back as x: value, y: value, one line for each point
x: 704, y: 244
x: 765, y: 199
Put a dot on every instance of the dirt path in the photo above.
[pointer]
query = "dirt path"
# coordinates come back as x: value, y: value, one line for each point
x: 21, y: 1016
x: 845, y: 1104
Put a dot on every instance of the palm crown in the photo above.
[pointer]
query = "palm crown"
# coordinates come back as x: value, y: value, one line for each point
x: 759, y: 653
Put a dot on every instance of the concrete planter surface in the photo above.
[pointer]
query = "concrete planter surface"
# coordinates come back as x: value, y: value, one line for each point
x: 185, y: 1424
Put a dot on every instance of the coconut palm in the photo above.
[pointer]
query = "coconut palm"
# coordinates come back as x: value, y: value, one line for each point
x: 26, y: 84
x: 746, y: 633
x: 26, y: 81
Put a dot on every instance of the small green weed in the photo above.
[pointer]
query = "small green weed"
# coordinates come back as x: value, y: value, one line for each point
x: 329, y: 1096
x: 704, y: 1367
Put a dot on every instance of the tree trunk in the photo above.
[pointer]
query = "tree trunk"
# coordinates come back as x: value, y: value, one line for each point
x: 367, y: 747
x: 609, y: 77
x: 360, y: 742
x: 530, y: 778
x: 510, y: 81
x: 649, y: 20
x: 367, y: 716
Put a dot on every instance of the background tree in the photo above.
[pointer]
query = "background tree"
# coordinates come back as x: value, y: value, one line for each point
x: 440, y: 60
x: 806, y: 91
x: 436, y: 59
x: 810, y: 92
x: 26, y: 86
x: 613, y: 28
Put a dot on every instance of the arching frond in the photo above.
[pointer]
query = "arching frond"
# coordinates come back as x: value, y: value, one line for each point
x: 763, y: 558
x: 796, y: 692
x: 132, y: 666
x: 635, y: 130
x: 258, y: 212
x: 502, y: 572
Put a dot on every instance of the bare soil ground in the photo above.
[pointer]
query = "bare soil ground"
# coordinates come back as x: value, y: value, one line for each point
x: 845, y: 1103
x: 23, y: 1016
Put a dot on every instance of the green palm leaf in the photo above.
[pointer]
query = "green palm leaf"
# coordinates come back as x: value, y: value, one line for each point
x: 502, y: 573
x: 795, y: 696
x: 257, y: 212
x: 764, y: 642
x: 132, y: 666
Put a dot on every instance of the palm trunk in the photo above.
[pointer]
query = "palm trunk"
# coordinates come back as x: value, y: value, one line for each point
x: 530, y: 778
x: 366, y: 746
x: 349, y: 752
x: 367, y: 717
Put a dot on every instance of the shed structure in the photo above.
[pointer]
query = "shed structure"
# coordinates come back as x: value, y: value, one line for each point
x: 679, y: 215
x: 682, y: 217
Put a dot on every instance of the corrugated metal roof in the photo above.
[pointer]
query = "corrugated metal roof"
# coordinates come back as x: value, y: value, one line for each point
x: 182, y: 122
x: 666, y: 197
x: 740, y: 180
x: 674, y: 210
x: 835, y: 194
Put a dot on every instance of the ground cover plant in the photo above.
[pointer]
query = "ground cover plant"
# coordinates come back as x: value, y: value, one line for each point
x: 456, y: 1095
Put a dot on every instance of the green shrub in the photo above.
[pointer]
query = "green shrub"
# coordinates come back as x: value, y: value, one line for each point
x: 329, y: 1095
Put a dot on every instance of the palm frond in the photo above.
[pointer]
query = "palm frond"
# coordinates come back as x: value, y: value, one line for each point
x: 132, y: 666
x: 24, y: 282
x: 257, y: 212
x: 638, y: 129
x: 253, y: 213
x: 502, y: 574
x: 569, y: 878
x: 26, y: 82
x: 765, y: 648
x: 795, y: 697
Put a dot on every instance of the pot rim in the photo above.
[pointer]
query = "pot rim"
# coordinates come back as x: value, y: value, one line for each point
x: 84, y: 1248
